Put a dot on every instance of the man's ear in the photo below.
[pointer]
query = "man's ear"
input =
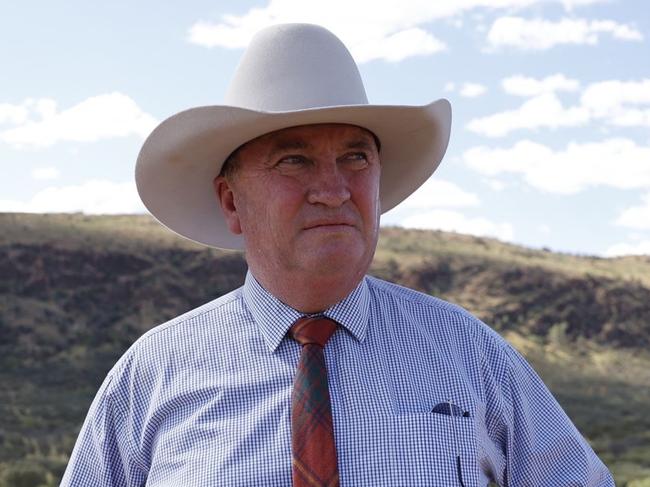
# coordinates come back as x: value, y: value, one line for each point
x: 226, y: 198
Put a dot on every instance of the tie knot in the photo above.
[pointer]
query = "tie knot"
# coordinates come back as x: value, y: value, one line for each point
x: 313, y: 329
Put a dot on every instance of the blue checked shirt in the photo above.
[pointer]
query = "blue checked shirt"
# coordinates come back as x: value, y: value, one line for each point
x: 204, y: 400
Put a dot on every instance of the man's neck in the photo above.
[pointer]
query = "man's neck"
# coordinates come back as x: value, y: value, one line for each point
x: 312, y: 294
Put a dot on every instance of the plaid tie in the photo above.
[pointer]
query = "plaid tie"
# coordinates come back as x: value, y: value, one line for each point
x: 312, y: 437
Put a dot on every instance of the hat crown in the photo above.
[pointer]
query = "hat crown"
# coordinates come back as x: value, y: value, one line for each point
x: 290, y: 67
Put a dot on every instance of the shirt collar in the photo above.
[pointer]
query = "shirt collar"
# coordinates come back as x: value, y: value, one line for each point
x: 274, y: 318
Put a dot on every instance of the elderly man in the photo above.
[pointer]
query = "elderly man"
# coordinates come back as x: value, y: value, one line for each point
x: 313, y: 373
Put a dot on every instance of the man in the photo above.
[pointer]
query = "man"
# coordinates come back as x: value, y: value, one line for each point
x: 313, y: 373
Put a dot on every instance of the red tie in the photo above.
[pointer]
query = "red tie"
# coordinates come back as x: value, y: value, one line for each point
x: 312, y: 434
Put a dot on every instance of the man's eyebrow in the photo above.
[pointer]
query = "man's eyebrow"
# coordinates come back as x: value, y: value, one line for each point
x: 361, y: 144
x: 288, y: 145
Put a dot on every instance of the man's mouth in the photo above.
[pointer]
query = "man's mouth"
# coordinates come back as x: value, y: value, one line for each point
x: 328, y: 223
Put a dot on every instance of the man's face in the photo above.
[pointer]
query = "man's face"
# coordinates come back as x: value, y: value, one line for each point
x: 306, y: 200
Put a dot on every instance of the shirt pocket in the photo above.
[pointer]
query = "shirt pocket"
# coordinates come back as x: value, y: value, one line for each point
x: 415, y: 449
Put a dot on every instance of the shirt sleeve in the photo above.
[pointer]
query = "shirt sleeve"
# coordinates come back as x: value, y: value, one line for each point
x: 103, y: 454
x: 543, y: 446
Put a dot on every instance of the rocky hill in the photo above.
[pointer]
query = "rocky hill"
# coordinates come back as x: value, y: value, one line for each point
x: 76, y: 291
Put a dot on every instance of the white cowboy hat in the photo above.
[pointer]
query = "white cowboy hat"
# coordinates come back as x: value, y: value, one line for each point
x: 290, y: 75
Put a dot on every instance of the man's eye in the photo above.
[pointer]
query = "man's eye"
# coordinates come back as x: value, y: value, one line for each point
x: 356, y: 159
x: 292, y: 161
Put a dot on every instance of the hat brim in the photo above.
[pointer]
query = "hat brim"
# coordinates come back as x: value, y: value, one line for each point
x: 182, y: 156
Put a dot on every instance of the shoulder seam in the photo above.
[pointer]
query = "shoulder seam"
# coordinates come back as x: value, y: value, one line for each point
x: 190, y: 315
x: 405, y: 296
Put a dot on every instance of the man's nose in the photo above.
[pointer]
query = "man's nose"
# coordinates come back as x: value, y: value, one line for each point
x: 328, y: 186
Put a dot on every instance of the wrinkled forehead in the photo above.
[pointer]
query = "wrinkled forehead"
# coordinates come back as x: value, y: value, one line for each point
x: 305, y: 135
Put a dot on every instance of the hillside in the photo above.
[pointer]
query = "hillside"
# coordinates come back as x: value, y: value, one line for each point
x: 77, y: 290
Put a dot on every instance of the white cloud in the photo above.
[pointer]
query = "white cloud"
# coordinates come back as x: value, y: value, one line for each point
x: 428, y: 208
x: 231, y: 36
x: 524, y: 86
x: 398, y: 46
x: 544, y: 110
x: 614, y: 102
x: 538, y: 34
x: 616, y: 163
x: 453, y: 221
x: 619, y: 31
x: 91, y: 197
x: 472, y: 90
x: 456, y: 22
x: 45, y: 173
x: 449, y: 86
x: 570, y: 5
x: 98, y: 117
x: 636, y: 216
x: 439, y: 193
x: 620, y: 249
x: 391, y: 30
x: 12, y: 114
x: 495, y: 184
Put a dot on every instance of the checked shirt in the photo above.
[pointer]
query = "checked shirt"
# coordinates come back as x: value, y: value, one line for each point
x: 205, y: 399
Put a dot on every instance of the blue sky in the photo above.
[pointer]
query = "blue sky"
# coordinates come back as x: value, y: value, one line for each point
x: 550, y: 142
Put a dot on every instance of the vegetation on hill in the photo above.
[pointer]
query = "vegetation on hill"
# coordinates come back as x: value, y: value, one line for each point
x: 76, y: 291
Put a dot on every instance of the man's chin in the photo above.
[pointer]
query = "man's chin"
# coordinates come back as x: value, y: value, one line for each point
x: 338, y: 260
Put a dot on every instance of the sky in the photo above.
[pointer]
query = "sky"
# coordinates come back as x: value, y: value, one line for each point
x: 550, y: 143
